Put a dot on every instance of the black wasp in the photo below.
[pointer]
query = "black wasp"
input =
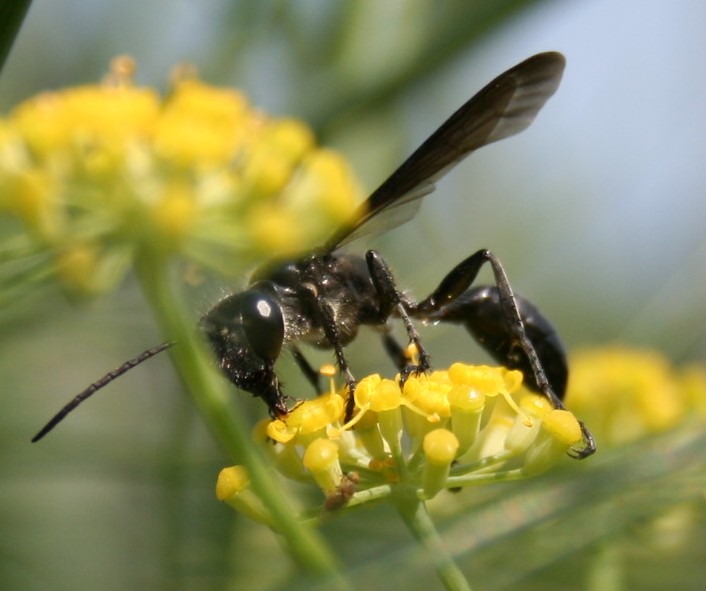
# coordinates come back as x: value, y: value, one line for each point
x: 324, y: 296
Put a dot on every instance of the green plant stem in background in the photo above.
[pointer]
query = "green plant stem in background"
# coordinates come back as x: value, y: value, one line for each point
x: 415, y: 515
x: 605, y: 573
x: 12, y: 13
x: 211, y: 397
x: 457, y: 26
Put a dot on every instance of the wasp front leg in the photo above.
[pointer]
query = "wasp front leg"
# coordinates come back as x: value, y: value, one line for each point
x: 312, y: 376
x: 327, y: 320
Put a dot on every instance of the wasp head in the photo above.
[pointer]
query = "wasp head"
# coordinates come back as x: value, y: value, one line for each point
x: 246, y: 332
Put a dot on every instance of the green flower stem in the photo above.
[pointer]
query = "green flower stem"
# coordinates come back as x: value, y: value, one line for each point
x: 211, y: 397
x: 414, y: 513
x: 605, y: 571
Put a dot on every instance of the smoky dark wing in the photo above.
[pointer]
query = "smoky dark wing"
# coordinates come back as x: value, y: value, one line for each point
x: 506, y: 106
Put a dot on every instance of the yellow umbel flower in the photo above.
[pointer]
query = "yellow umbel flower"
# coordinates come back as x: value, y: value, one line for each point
x: 447, y: 429
x: 626, y: 394
x: 98, y: 175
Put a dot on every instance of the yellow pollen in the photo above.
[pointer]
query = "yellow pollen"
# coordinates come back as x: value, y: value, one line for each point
x: 412, y: 353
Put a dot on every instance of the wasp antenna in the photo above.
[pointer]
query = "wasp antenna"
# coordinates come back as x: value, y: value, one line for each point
x: 97, y: 385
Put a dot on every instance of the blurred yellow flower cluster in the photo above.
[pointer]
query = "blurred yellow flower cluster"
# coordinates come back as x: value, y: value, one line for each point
x: 98, y: 175
x: 625, y: 394
x: 447, y: 429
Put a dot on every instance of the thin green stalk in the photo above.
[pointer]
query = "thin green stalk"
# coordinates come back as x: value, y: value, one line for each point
x: 605, y: 571
x: 414, y: 513
x: 211, y: 397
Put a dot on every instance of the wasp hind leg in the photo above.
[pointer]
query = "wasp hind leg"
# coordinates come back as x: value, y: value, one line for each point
x: 507, y: 326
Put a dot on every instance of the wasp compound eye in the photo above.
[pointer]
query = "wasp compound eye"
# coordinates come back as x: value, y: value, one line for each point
x: 263, y: 323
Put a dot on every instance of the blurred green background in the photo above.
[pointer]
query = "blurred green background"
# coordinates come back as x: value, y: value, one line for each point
x: 598, y: 212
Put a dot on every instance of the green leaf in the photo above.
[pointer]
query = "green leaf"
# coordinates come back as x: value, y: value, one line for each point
x: 11, y: 16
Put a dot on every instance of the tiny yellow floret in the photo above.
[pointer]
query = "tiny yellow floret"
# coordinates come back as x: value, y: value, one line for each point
x: 278, y: 430
x: 231, y: 481
x: 563, y: 426
x: 535, y: 405
x: 440, y: 446
x: 321, y: 459
x: 320, y: 455
x: 76, y: 267
x: 386, y: 396
x: 465, y: 397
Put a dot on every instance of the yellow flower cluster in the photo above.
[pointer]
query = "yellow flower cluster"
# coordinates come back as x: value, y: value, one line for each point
x: 447, y: 429
x: 626, y: 394
x: 101, y: 174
